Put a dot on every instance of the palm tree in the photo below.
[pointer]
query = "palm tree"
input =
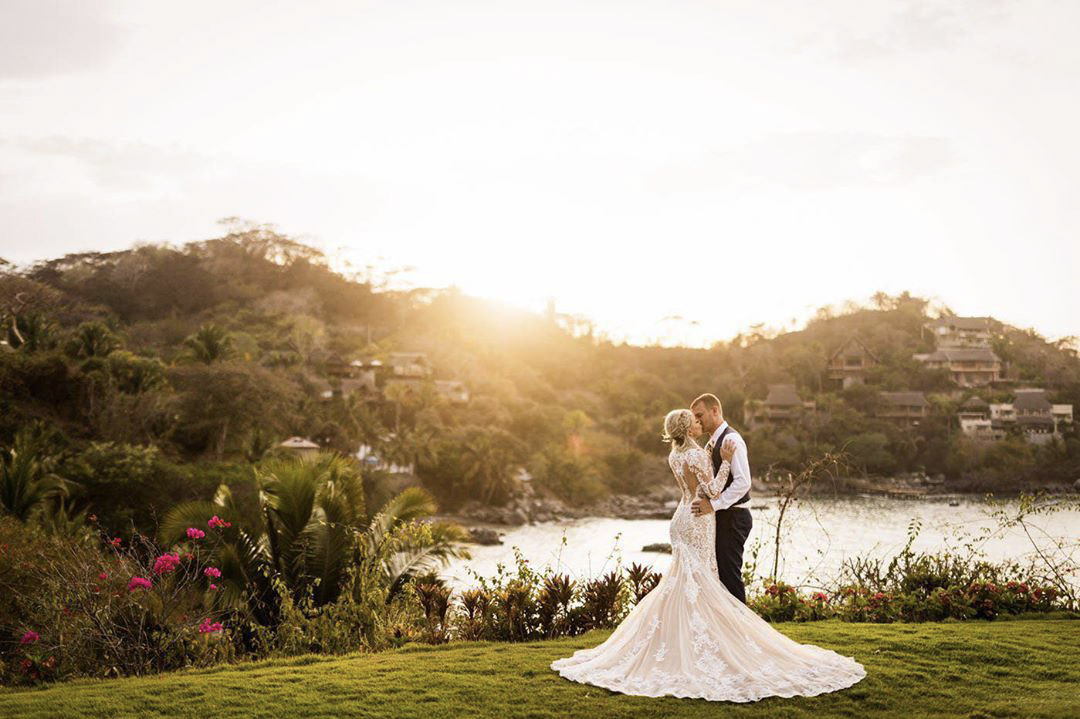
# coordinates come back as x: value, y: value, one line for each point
x: 31, y: 332
x: 486, y: 465
x: 362, y: 420
x: 398, y: 393
x: 27, y: 481
x: 209, y: 344
x: 310, y: 529
x: 93, y: 339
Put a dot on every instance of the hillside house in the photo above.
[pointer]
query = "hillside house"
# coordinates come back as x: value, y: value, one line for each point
x: 336, y: 366
x: 848, y: 364
x: 960, y: 331
x: 975, y: 422
x: 903, y: 407
x: 1004, y: 413
x: 454, y: 391
x: 1031, y: 411
x: 981, y: 430
x: 409, y: 364
x: 1062, y: 414
x: 363, y: 384
x: 974, y: 408
x: 782, y: 405
x: 299, y: 445
x: 969, y: 367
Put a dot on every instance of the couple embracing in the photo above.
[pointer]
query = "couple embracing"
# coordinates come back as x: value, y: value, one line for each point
x: 693, y: 635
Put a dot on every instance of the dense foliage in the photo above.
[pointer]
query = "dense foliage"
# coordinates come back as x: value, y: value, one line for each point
x: 159, y: 371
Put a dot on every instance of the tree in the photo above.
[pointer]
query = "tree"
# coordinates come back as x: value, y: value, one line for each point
x: 399, y: 394
x: 211, y: 343
x: 630, y: 427
x: 31, y: 332
x: 487, y: 458
x: 869, y: 452
x: 310, y: 530
x: 226, y: 400
x: 93, y: 339
x: 27, y: 479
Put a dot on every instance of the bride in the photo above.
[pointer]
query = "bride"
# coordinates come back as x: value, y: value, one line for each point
x: 690, y: 637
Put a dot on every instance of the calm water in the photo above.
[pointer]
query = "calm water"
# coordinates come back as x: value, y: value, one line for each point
x: 818, y: 535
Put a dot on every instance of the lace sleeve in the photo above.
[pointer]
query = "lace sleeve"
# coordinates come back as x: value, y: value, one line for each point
x: 709, y: 485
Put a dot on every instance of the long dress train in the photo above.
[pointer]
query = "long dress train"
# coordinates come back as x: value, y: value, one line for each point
x: 689, y: 637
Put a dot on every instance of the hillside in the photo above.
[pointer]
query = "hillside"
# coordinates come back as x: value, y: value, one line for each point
x: 159, y: 371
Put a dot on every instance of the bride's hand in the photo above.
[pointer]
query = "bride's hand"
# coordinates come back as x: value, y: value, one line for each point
x: 727, y: 449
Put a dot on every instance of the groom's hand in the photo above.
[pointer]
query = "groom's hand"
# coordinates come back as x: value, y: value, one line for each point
x: 700, y: 506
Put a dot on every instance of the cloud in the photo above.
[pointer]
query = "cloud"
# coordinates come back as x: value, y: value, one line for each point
x: 117, y: 166
x: 910, y: 26
x: 39, y: 38
x: 812, y: 161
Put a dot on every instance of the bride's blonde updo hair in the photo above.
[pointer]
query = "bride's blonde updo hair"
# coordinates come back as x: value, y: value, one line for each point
x: 677, y: 426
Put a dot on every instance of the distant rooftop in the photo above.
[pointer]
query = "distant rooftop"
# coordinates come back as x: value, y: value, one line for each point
x: 853, y: 347
x: 974, y: 354
x: 298, y: 443
x: 905, y: 399
x: 1032, y: 400
x: 962, y: 323
x: 783, y: 395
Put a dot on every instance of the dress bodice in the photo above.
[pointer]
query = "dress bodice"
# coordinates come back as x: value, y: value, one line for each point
x: 693, y: 538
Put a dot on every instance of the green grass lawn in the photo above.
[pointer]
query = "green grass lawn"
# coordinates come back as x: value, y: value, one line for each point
x: 977, y: 669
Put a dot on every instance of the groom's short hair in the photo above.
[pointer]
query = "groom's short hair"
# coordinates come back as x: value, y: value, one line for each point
x: 710, y: 401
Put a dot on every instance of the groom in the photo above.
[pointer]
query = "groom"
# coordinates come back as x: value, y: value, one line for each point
x: 733, y: 520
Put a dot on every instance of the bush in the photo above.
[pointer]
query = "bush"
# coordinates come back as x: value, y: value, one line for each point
x: 127, y: 608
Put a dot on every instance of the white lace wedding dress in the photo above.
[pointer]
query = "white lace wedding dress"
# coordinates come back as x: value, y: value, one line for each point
x: 690, y: 637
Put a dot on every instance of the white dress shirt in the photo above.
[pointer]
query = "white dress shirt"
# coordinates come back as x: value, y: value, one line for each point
x: 740, y: 470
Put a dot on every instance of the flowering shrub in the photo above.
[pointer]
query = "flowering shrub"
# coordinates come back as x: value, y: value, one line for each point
x: 208, y: 627
x: 166, y: 563
x: 99, y: 609
x: 139, y: 583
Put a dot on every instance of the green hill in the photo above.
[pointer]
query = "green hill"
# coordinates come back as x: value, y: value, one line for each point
x: 174, y: 367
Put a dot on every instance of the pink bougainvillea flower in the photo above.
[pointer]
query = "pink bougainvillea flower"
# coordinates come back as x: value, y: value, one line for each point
x: 166, y: 563
x: 139, y: 583
x: 216, y: 521
x: 30, y: 637
x: 115, y: 542
x: 194, y: 533
x: 213, y: 572
x: 213, y: 587
x: 208, y: 627
x: 103, y: 576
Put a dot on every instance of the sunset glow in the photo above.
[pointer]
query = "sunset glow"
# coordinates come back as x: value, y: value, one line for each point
x: 730, y: 165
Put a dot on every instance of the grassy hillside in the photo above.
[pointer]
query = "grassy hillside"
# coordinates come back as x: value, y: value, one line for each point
x: 983, y: 669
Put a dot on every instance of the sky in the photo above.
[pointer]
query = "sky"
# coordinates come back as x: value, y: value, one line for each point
x: 676, y: 171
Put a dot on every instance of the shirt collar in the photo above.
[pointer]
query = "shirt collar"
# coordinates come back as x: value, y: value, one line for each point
x: 717, y: 431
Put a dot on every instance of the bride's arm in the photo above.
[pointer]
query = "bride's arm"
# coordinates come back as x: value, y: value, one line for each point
x: 707, y: 485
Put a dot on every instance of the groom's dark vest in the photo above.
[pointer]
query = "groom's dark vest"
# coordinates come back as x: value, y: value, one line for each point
x: 717, y: 460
